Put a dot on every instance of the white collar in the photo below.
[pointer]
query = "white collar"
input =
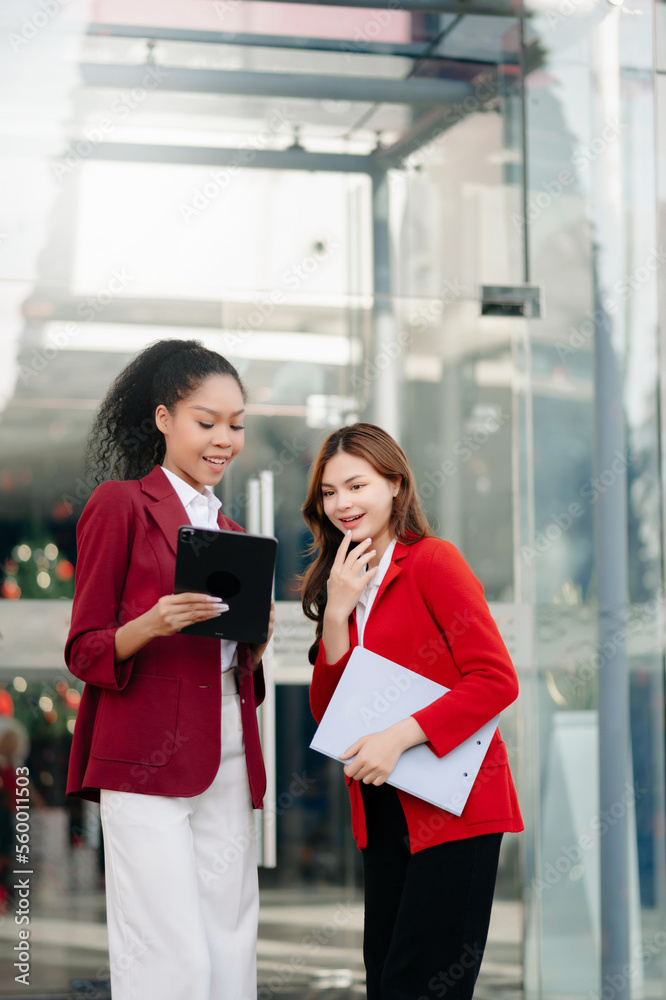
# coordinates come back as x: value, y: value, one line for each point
x: 384, y: 564
x: 187, y: 494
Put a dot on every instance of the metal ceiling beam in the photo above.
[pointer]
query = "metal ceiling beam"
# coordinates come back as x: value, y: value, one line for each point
x: 416, y: 91
x: 427, y: 6
x: 261, y: 159
x: 407, y: 50
x: 403, y: 50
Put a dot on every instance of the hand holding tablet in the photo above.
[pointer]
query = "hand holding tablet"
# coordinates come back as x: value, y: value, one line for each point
x: 234, y: 566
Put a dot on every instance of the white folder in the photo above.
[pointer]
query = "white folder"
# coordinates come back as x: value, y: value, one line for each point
x: 373, y: 694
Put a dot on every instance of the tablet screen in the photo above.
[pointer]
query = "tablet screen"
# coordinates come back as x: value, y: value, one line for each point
x: 234, y: 566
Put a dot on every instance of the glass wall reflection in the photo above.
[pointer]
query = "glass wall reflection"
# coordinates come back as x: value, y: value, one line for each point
x: 594, y: 246
x: 319, y: 194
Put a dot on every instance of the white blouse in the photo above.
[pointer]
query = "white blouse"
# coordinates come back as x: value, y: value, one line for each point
x: 369, y: 592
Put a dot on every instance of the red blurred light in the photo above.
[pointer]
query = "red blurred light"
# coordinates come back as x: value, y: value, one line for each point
x: 72, y: 698
x: 62, y: 511
x: 6, y: 703
x: 64, y: 570
x: 11, y: 590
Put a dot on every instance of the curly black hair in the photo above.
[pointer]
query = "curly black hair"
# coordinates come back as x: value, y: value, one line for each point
x: 124, y: 442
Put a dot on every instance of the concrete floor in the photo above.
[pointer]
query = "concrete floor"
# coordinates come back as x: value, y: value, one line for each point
x: 309, y: 949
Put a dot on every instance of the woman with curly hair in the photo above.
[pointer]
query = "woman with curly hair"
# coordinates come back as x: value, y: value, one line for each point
x: 381, y: 580
x: 166, y: 737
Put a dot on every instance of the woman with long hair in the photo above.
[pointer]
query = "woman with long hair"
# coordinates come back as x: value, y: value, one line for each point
x: 380, y: 579
x: 166, y: 737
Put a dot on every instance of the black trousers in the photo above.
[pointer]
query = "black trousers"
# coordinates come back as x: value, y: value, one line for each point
x: 426, y: 914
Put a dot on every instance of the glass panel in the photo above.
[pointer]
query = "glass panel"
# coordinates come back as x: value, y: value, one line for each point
x: 595, y: 557
x: 456, y: 208
x: 660, y: 36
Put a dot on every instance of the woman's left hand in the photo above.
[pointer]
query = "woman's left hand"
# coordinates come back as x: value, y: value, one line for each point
x: 258, y: 651
x: 376, y: 755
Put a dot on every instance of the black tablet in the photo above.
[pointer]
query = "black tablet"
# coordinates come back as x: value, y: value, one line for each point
x: 234, y: 566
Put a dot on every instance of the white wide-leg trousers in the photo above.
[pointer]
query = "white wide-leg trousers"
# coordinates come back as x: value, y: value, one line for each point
x: 181, y: 884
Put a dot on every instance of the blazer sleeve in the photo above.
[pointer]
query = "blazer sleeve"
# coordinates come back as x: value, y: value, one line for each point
x: 325, y: 679
x: 488, y: 682
x: 104, y: 537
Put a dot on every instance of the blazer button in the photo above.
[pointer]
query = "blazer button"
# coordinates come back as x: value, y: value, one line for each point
x: 242, y: 701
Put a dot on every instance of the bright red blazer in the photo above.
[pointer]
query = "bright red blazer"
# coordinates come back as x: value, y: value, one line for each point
x: 150, y: 724
x: 430, y: 615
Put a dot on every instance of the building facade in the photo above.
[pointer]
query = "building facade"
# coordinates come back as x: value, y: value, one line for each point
x: 447, y: 219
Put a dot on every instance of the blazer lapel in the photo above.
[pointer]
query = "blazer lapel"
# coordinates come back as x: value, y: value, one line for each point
x: 225, y: 523
x: 166, y: 511
x: 394, y: 569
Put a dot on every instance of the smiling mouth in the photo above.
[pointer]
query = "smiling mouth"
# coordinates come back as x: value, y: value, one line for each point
x: 217, y: 463
x: 352, y: 520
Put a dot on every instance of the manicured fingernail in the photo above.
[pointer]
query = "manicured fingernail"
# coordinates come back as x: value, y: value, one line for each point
x: 349, y: 531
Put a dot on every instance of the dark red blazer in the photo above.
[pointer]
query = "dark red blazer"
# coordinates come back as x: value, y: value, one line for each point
x: 150, y: 724
x: 430, y: 615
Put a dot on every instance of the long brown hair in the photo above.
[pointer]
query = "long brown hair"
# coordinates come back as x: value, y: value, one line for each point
x: 408, y: 523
